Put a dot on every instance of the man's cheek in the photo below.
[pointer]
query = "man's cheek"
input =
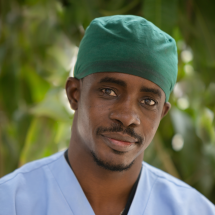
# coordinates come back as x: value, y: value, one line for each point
x: 99, y: 110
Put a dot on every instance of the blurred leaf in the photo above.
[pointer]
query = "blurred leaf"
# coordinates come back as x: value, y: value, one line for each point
x: 9, y: 96
x: 52, y: 106
x: 197, y: 25
x: 163, y: 13
x: 205, y: 130
x: 122, y: 10
x: 165, y: 157
x: 33, y: 86
x: 40, y: 140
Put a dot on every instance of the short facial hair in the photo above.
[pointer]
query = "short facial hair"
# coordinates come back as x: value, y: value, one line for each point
x: 116, y: 128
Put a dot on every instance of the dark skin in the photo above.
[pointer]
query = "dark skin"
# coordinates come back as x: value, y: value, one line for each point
x: 105, y: 100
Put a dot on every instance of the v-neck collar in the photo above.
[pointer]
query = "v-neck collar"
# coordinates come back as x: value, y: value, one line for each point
x: 143, y: 192
x: 70, y: 187
x: 76, y: 198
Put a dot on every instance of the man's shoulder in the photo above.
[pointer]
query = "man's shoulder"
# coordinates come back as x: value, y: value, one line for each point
x: 34, y: 188
x: 31, y: 168
x: 164, y: 177
x: 168, y: 182
x: 168, y: 190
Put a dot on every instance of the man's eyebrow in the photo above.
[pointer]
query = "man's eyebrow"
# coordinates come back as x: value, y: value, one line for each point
x: 123, y: 84
x: 113, y: 81
x: 151, y: 90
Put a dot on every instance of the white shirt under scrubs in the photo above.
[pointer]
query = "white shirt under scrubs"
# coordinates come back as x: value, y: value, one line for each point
x: 49, y: 187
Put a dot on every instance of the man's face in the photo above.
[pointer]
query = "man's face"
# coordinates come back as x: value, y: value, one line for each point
x: 117, y: 117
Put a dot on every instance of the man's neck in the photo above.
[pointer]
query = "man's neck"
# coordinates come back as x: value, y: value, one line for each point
x: 107, y: 191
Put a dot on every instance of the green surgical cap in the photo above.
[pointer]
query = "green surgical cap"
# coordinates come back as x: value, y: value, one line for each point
x: 128, y: 44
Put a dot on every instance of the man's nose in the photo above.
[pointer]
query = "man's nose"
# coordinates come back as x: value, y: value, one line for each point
x: 126, y: 113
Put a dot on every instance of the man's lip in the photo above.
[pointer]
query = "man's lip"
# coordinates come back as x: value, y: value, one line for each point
x: 120, y: 137
x: 122, y: 143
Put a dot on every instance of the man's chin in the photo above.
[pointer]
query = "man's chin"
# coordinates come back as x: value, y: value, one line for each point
x: 110, y: 166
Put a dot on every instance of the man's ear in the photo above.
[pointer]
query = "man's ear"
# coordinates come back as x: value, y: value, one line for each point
x: 73, y: 92
x: 166, y: 108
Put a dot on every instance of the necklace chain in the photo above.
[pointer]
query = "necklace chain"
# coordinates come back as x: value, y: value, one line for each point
x: 122, y: 212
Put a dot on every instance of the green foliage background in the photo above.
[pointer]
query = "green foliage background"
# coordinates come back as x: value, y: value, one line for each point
x: 40, y: 37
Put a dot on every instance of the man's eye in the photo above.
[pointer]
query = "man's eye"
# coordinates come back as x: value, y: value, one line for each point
x: 149, y: 102
x: 108, y: 92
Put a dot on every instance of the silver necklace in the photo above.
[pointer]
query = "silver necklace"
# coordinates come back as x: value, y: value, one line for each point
x: 122, y: 212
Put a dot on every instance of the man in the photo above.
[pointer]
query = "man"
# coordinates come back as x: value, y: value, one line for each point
x: 125, y: 71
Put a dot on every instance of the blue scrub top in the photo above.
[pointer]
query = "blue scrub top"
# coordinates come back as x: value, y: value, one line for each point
x: 49, y: 187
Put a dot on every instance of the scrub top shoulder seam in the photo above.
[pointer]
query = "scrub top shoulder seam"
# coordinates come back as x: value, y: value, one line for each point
x: 29, y: 171
x: 169, y: 180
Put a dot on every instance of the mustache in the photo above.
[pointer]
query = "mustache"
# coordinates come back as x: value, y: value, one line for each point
x: 119, y: 128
